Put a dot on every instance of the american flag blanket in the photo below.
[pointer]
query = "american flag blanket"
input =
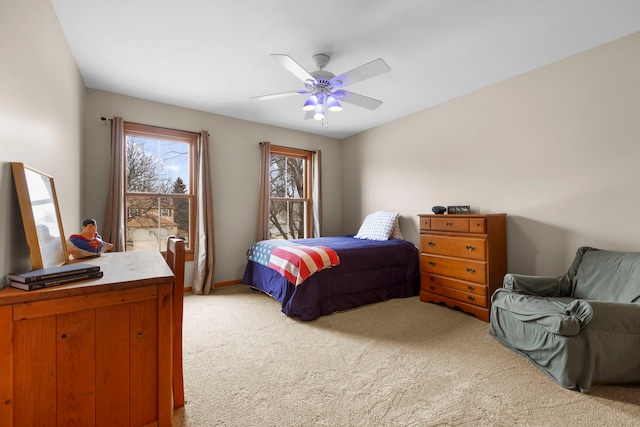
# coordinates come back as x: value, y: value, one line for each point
x: 293, y: 261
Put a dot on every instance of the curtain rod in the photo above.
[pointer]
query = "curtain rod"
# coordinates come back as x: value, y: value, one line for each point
x: 104, y: 119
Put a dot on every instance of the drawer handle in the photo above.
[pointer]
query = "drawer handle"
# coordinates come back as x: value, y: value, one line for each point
x: 432, y: 264
x: 471, y: 298
x: 471, y: 270
x: 470, y: 248
x: 433, y: 288
x: 471, y: 288
x: 433, y: 279
x: 432, y: 244
x: 449, y: 224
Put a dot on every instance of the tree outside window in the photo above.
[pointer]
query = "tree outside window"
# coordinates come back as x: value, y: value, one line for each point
x: 290, y: 193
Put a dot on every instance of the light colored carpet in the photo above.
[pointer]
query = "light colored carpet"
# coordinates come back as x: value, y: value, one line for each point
x: 396, y: 363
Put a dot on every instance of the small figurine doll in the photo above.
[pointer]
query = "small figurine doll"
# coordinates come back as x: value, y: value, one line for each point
x: 88, y: 243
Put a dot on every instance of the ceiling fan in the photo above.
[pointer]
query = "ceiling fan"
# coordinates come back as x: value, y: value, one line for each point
x: 325, y: 89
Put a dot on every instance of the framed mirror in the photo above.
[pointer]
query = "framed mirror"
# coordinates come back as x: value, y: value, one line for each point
x: 40, y: 216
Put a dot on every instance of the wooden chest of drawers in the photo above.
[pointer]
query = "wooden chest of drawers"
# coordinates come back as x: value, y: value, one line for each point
x: 463, y: 260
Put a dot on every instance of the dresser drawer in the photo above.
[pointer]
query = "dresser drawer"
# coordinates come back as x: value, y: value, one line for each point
x: 450, y: 224
x: 428, y: 280
x: 460, y: 247
x: 458, y: 295
x: 474, y: 271
x: 425, y: 223
x: 459, y: 225
x: 477, y: 225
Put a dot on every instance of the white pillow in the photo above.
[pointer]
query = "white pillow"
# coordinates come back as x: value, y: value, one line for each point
x: 378, y: 226
x: 396, y: 233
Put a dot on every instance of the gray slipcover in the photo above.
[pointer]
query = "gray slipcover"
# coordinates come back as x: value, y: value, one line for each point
x: 580, y: 328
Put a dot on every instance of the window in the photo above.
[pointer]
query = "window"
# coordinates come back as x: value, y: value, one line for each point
x: 159, y: 194
x: 290, y: 202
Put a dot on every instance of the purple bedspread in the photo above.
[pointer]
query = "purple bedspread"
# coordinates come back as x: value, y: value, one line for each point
x: 370, y: 271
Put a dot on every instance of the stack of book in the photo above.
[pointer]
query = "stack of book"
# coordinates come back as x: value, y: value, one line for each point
x: 53, y: 276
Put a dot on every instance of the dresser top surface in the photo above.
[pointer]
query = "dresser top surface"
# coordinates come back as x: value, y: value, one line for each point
x: 478, y: 215
x: 121, y: 270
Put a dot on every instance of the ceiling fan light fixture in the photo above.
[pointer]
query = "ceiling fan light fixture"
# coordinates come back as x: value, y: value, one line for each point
x: 333, y: 104
x: 311, y: 103
x: 319, y: 112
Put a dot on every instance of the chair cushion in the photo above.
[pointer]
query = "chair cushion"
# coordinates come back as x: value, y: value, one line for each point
x: 608, y: 276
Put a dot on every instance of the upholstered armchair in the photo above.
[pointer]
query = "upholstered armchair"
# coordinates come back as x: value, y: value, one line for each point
x: 580, y: 328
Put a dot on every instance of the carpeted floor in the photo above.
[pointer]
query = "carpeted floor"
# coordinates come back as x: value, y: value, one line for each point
x: 396, y: 363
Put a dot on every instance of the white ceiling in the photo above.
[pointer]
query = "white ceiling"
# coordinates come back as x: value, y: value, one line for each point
x: 213, y: 55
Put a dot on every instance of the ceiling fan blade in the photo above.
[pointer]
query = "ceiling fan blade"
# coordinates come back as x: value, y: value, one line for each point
x: 279, y: 95
x: 363, y: 72
x: 294, y: 68
x: 308, y: 115
x: 359, y: 100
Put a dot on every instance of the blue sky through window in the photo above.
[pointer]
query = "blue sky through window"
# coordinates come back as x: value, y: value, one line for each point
x: 170, y: 157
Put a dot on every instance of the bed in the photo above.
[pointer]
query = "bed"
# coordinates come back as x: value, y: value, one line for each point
x: 368, y: 271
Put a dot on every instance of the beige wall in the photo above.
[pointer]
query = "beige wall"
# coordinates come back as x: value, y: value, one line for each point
x: 235, y: 163
x: 41, y: 118
x: 557, y: 149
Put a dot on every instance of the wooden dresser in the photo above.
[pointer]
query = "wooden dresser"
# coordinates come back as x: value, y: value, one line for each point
x: 94, y: 353
x: 463, y: 260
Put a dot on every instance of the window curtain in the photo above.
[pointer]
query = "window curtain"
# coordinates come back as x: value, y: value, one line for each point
x: 317, y: 195
x: 263, y: 204
x: 113, y: 229
x: 204, y: 249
